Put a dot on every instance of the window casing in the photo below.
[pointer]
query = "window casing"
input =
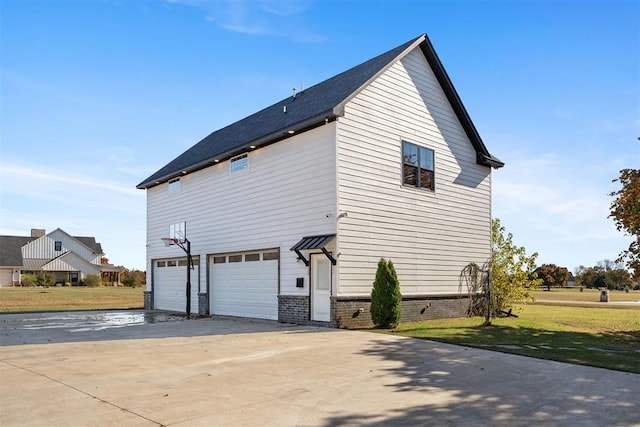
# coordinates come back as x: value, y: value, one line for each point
x: 418, y: 169
x: 58, y: 245
x: 239, y: 163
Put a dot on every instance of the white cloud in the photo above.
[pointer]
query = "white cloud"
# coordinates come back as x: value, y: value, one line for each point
x: 281, y: 18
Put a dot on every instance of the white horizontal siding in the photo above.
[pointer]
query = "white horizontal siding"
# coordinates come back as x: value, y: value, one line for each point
x: 287, y: 192
x: 429, y: 236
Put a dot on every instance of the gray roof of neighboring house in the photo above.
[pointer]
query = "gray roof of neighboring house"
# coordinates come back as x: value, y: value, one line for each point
x: 308, y: 109
x: 11, y: 250
x: 91, y: 243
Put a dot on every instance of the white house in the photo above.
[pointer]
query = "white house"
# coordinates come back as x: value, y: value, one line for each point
x: 68, y: 258
x: 288, y: 211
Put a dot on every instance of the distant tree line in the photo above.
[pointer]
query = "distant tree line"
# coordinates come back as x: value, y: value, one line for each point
x: 605, y: 274
x: 132, y: 278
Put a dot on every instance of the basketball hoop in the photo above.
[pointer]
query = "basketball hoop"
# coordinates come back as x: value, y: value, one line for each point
x: 169, y: 241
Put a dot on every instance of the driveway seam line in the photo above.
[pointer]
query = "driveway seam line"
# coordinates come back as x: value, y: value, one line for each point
x: 83, y: 392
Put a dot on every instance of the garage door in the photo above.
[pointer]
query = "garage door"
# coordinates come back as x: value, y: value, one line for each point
x: 245, y: 284
x: 170, y: 284
x: 6, y: 277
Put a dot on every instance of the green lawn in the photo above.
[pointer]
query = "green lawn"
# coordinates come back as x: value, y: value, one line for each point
x: 607, y: 337
x: 587, y: 295
x: 16, y: 300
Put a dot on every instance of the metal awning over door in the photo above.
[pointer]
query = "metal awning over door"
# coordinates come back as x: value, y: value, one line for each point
x: 314, y: 242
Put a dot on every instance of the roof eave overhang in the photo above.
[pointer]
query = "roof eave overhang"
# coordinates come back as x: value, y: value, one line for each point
x: 483, y: 156
x: 271, y: 138
x: 489, y: 161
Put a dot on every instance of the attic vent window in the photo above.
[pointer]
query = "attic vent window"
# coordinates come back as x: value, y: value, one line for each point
x: 239, y: 163
x: 174, y: 185
x: 58, y: 245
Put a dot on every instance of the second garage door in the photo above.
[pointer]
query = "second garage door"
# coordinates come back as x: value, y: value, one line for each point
x: 170, y: 284
x: 245, y: 284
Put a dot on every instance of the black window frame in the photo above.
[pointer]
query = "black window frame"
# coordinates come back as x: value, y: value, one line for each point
x: 57, y: 245
x: 418, y: 166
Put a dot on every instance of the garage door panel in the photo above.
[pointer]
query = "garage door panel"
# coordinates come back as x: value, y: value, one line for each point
x: 169, y: 288
x: 246, y: 289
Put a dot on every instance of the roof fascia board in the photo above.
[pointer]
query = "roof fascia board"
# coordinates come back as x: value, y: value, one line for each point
x: 263, y: 141
x: 484, y: 157
x: 338, y: 110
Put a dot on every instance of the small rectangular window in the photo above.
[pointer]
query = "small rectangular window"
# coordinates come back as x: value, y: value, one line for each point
x: 252, y: 257
x: 239, y: 163
x: 182, y: 263
x: 417, y: 166
x: 219, y: 259
x: 235, y: 258
x: 268, y: 256
x: 161, y: 264
x: 174, y: 185
x: 58, y: 245
x: 171, y: 263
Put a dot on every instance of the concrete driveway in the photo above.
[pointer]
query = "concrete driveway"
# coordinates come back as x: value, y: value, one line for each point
x: 86, y: 369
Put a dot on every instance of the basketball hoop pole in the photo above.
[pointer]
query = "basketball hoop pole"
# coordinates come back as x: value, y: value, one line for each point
x: 187, y: 249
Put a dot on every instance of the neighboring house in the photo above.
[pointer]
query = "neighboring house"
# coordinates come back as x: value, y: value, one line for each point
x: 68, y: 258
x: 288, y: 211
x: 571, y: 281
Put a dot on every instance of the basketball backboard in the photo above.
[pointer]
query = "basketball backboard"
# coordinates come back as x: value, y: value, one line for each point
x: 178, y: 231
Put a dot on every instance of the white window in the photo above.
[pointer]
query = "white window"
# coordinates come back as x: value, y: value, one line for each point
x: 174, y: 185
x: 239, y: 163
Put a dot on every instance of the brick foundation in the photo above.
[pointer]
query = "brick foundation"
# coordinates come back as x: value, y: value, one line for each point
x: 148, y: 300
x: 203, y: 304
x: 293, y: 309
x: 354, y: 312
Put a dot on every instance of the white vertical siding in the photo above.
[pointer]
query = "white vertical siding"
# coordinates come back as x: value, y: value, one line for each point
x: 429, y: 236
x: 44, y: 247
x: 72, y: 262
x: 286, y: 193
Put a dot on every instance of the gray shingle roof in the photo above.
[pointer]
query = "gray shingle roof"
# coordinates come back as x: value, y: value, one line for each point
x: 10, y: 250
x: 306, y: 110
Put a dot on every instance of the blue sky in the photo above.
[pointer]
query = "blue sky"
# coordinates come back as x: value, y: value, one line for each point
x: 97, y: 95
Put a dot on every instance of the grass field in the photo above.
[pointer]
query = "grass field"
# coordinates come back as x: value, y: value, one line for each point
x: 606, y: 337
x: 16, y: 300
x: 587, y: 295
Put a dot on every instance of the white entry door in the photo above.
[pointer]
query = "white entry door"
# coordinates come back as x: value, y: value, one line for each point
x: 320, y: 288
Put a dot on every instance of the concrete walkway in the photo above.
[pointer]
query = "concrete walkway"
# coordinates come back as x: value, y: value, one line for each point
x: 228, y: 372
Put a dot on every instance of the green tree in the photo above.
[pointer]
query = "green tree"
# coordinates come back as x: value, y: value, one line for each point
x: 605, y: 274
x: 28, y: 280
x: 92, y: 281
x: 511, y: 270
x: 44, y: 279
x: 386, y: 299
x: 586, y: 276
x: 552, y: 275
x: 131, y: 280
x: 625, y: 211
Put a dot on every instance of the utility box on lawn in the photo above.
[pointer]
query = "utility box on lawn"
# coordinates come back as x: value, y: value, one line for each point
x: 604, y: 295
